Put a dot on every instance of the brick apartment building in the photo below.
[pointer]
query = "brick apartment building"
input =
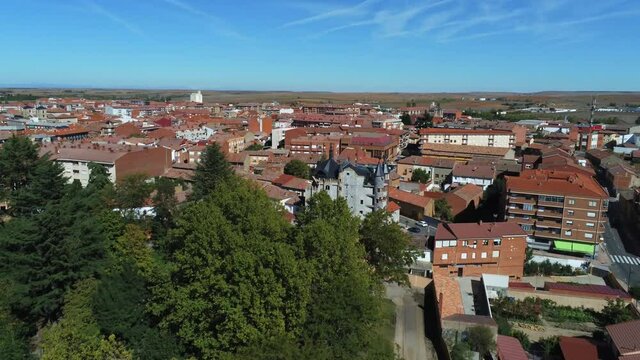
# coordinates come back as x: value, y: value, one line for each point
x: 473, y: 249
x: 560, y: 210
x: 119, y: 161
x: 477, y: 137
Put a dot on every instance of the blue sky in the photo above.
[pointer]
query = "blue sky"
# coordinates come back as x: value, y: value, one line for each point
x: 370, y: 45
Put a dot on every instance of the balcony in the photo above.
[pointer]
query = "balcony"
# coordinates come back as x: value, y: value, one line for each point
x: 521, y: 220
x: 546, y: 233
x: 521, y: 200
x: 550, y: 204
x: 548, y: 223
x: 517, y: 210
x: 549, y: 213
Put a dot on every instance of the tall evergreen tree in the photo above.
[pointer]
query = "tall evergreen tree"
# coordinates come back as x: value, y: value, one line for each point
x: 18, y: 156
x: 212, y: 170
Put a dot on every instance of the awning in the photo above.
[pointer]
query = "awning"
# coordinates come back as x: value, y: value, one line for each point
x: 571, y: 246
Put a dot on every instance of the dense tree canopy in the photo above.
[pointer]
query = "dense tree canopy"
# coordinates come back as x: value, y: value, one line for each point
x: 442, y: 210
x: 223, y: 276
x: 420, y: 176
x: 297, y: 168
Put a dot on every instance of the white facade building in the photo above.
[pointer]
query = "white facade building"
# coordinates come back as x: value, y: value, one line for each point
x: 479, y: 137
x: 196, y: 97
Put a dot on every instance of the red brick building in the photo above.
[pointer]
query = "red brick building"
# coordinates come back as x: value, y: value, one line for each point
x: 473, y: 249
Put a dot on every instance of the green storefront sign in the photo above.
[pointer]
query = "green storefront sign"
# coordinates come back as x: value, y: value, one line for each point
x: 571, y: 246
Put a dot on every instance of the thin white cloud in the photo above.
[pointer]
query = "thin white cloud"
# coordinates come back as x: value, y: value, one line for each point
x: 390, y: 23
x: 358, y: 9
x: 98, y: 9
x: 219, y: 28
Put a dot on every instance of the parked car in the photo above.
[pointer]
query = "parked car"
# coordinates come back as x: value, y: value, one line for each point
x: 422, y: 223
x: 414, y: 229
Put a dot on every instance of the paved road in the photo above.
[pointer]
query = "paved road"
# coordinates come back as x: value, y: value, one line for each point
x: 624, y: 265
x: 410, y: 336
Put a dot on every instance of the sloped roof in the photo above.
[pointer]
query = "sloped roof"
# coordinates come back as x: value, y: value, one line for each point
x: 509, y: 348
x: 625, y: 336
x: 577, y: 349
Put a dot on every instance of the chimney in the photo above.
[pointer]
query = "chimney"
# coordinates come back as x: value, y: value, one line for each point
x: 479, y: 222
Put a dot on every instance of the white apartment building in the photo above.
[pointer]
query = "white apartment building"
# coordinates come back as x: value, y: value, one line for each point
x: 473, y: 137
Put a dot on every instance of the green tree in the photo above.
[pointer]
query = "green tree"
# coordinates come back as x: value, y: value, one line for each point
x: 345, y: 310
x: 388, y: 248
x: 424, y: 121
x: 523, y: 338
x: 461, y: 351
x: 442, y: 210
x: 26, y: 180
x: 76, y: 335
x: 234, y: 275
x: 49, y: 252
x: 406, y: 119
x: 254, y: 147
x: 132, y: 192
x: 615, y: 312
x: 420, y: 176
x: 482, y: 339
x: 212, y: 170
x: 550, y: 347
x: 297, y: 168
x: 165, y: 205
x: 18, y: 157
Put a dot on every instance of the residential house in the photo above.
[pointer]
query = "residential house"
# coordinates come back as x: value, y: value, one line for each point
x: 625, y: 339
x: 412, y: 205
x: 473, y: 249
x: 439, y: 169
x: 480, y: 175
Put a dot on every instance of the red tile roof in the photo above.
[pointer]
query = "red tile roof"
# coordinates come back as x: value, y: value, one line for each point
x: 392, y: 207
x: 601, y: 290
x: 409, y: 198
x: 551, y: 182
x: 509, y: 348
x: 427, y: 161
x: 626, y: 337
x: 577, y: 349
x: 478, y: 230
x: 448, y: 295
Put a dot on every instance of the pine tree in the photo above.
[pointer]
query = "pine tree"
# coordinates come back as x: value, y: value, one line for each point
x: 212, y: 170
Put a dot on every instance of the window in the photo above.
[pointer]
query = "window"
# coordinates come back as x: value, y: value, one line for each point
x: 569, y: 222
x: 361, y: 202
x: 473, y: 255
x: 593, y: 203
x: 485, y: 242
x: 591, y: 214
x: 496, y: 254
x: 327, y: 187
x: 526, y: 227
x: 590, y: 224
x: 570, y: 212
x: 463, y: 256
x: 444, y: 256
x: 572, y: 202
x: 483, y: 255
x: 465, y: 243
x: 497, y: 242
x: 588, y: 235
x: 527, y: 207
x: 567, y: 232
x: 439, y: 244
